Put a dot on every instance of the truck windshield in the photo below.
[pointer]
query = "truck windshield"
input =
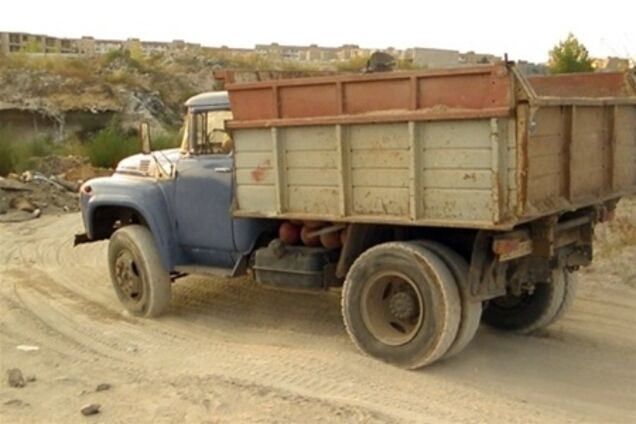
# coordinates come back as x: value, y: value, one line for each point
x: 204, y: 133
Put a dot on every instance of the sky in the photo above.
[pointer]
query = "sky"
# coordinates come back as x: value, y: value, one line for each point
x: 524, y: 30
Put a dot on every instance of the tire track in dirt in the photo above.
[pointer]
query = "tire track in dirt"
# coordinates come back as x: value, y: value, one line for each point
x: 294, y: 345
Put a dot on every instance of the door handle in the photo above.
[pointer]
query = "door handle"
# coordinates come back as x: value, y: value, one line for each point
x: 223, y: 169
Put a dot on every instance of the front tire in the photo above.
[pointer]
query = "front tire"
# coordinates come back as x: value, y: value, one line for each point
x: 529, y: 311
x: 137, y: 273
x: 401, y: 304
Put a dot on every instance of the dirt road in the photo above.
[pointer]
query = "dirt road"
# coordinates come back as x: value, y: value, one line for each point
x: 232, y: 351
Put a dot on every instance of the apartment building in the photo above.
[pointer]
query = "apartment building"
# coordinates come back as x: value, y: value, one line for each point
x: 472, y: 58
x: 11, y: 42
x: 432, y: 58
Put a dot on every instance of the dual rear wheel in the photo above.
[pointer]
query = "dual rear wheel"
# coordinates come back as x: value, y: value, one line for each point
x: 533, y: 310
x: 407, y: 304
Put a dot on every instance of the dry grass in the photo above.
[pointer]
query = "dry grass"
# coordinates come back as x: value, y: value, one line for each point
x: 619, y: 233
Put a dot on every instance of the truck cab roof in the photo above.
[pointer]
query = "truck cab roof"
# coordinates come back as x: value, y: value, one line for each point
x: 212, y: 100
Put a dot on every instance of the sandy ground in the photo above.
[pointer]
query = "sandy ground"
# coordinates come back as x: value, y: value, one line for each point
x: 232, y: 351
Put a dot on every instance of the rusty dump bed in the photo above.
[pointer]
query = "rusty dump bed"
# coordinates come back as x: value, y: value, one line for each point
x: 480, y: 147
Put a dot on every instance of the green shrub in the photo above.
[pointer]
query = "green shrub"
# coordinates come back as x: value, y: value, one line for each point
x: 16, y: 153
x: 168, y: 140
x: 6, y: 158
x: 73, y: 146
x: 354, y: 64
x: 109, y: 146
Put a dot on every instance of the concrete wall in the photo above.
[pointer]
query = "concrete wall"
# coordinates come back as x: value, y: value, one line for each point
x: 432, y: 58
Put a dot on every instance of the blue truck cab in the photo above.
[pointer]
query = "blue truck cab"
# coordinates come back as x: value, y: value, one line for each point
x: 169, y: 213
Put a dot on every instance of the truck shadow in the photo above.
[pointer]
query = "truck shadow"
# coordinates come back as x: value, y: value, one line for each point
x: 244, y: 305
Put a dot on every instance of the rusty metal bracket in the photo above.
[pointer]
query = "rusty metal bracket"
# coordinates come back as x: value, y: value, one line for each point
x: 359, y: 238
x: 486, y: 275
x: 543, y: 235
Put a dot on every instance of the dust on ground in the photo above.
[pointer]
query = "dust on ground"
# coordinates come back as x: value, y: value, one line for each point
x: 233, y: 351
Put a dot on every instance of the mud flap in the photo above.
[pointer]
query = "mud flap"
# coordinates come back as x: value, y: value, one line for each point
x: 81, y: 239
x: 486, y: 276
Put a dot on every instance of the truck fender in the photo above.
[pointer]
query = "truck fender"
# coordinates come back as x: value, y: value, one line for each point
x: 149, y: 203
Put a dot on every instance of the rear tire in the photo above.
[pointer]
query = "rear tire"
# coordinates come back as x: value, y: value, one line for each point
x: 137, y: 273
x: 400, y: 304
x: 471, y: 309
x: 528, y: 312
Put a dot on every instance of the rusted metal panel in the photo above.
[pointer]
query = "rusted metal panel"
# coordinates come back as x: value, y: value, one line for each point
x: 459, y: 92
x: 625, y: 148
x: 374, y: 96
x: 467, y: 91
x: 317, y: 100
x: 593, y: 85
x: 434, y: 114
x: 587, y: 160
x: 259, y: 103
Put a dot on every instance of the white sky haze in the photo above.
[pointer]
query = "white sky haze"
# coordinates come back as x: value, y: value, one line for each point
x: 525, y: 30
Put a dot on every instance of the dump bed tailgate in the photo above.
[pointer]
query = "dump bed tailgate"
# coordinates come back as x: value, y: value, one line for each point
x: 579, y: 146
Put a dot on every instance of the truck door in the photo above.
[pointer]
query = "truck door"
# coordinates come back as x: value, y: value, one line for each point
x: 203, y: 200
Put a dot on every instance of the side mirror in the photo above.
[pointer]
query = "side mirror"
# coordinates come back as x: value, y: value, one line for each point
x: 144, y: 133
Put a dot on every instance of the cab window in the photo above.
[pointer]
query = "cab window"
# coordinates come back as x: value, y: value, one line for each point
x: 207, y: 133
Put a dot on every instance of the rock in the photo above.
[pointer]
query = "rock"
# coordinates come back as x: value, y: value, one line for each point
x: 27, y: 176
x: 36, y: 213
x: 70, y: 186
x: 16, y: 402
x: 101, y: 387
x: 27, y: 348
x: 15, y: 378
x: 22, y: 204
x: 16, y: 216
x: 90, y: 409
x: 13, y: 185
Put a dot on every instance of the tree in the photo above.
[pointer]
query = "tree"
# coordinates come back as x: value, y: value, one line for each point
x: 570, y: 56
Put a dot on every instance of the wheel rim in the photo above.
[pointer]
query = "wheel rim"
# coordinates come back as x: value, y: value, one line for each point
x: 392, y: 308
x: 128, y: 277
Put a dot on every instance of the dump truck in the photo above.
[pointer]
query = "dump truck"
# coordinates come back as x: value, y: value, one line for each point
x: 433, y: 200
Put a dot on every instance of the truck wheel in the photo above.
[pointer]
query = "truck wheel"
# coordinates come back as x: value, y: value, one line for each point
x: 471, y: 309
x: 138, y: 276
x: 400, y: 304
x: 529, y: 311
